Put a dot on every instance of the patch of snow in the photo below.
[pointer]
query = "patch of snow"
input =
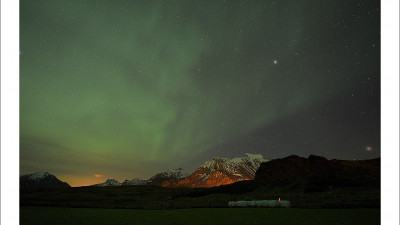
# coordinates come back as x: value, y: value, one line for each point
x: 39, y: 175
x: 238, y: 174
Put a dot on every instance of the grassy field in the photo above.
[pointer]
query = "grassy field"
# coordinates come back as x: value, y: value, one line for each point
x: 61, y: 216
x: 150, y: 197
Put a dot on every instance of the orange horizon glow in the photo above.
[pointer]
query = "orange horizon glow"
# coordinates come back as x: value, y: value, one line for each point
x: 81, y: 181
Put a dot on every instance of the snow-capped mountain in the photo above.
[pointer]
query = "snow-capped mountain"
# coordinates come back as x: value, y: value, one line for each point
x: 167, y: 176
x: 109, y: 182
x: 135, y: 181
x: 41, y: 180
x: 221, y: 171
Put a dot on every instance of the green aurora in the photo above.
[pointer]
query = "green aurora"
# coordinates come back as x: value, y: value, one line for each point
x: 130, y: 88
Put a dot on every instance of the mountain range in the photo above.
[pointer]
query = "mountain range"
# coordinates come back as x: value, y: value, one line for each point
x: 157, y: 180
x: 314, y: 172
x: 218, y: 171
x: 215, y: 172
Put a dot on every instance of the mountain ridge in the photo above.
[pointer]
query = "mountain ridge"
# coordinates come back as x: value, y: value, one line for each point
x: 157, y: 179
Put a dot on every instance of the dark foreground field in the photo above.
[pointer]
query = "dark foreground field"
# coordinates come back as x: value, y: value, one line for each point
x: 152, y: 197
x: 60, y: 216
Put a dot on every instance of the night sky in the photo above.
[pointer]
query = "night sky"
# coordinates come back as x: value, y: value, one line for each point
x: 126, y: 89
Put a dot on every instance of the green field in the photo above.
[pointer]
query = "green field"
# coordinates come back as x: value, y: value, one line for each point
x: 245, y: 216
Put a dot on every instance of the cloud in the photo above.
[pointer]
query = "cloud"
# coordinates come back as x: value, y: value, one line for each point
x: 98, y: 175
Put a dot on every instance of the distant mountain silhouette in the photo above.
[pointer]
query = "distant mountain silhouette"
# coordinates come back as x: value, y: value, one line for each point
x: 41, y: 180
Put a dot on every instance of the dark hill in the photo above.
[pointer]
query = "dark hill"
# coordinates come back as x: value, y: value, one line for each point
x: 320, y: 173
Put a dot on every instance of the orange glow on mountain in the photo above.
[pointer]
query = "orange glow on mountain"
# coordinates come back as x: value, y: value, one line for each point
x: 216, y: 178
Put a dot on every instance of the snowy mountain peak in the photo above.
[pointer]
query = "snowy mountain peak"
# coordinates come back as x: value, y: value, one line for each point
x: 176, y: 173
x: 109, y: 182
x: 240, y: 166
x: 41, y: 180
x: 220, y: 171
x: 224, y: 163
x: 171, y: 174
x: 38, y: 175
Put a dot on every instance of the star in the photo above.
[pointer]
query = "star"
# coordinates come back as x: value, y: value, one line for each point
x: 275, y: 61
